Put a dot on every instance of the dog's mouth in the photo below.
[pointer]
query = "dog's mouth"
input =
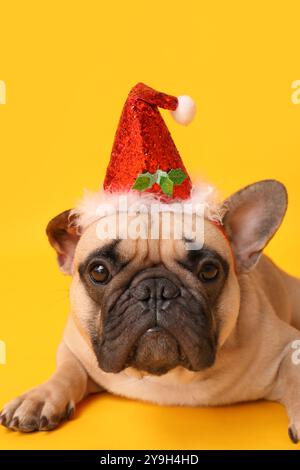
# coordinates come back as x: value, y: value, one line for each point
x: 157, y: 352
x: 156, y: 341
x: 155, y: 325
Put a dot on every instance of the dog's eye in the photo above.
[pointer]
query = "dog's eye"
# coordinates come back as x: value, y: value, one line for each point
x: 99, y: 273
x: 208, y: 272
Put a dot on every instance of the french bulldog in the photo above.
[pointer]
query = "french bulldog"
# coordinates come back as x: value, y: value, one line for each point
x: 155, y: 321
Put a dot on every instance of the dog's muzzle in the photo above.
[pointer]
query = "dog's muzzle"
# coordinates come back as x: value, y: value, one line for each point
x: 156, y: 325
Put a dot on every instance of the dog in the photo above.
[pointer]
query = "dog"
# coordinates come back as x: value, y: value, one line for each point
x: 153, y: 320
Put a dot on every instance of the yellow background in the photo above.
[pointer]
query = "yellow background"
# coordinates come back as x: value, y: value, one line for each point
x: 68, y: 66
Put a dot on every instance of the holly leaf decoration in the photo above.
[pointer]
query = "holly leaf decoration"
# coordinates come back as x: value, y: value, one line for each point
x: 166, y: 185
x: 177, y: 176
x: 143, y: 181
x: 165, y: 180
x: 159, y: 174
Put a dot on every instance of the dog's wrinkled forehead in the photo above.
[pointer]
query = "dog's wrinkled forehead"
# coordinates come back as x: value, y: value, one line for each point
x: 146, y: 248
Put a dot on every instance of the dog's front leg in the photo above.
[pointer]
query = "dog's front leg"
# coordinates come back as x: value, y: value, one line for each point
x: 44, y: 407
x: 287, y: 385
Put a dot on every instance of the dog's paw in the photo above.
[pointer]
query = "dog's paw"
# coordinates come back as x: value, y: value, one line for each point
x: 37, y: 410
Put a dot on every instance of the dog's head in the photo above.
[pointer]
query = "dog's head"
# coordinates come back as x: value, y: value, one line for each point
x: 152, y: 304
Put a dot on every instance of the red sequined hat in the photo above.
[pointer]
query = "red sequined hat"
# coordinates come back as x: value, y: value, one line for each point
x: 144, y: 156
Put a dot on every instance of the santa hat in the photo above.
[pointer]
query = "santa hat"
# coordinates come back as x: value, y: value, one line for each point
x: 145, y: 163
x: 144, y: 157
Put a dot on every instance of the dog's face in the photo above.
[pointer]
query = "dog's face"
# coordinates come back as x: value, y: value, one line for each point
x: 153, y: 304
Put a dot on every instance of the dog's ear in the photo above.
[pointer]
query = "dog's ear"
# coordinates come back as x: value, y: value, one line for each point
x: 253, y: 216
x: 63, y: 234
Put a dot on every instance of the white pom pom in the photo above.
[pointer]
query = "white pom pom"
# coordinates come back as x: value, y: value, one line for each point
x: 185, y: 111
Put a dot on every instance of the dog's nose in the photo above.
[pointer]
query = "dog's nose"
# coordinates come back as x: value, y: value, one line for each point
x: 155, y: 288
